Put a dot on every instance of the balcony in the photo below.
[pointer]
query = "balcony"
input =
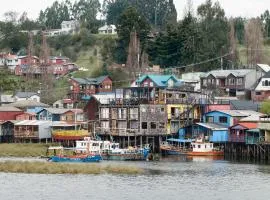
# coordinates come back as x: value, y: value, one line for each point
x: 237, y: 138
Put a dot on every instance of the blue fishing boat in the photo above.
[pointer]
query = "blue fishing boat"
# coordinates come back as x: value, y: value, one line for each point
x: 83, y: 158
x: 86, y: 157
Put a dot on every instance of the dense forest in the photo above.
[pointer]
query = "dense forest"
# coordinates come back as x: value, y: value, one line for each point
x: 203, y: 34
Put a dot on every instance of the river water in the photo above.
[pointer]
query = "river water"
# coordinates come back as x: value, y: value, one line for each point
x: 171, y: 178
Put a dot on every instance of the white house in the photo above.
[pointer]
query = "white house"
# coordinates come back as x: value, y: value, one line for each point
x: 70, y: 27
x: 67, y: 27
x: 19, y: 96
x: 193, y: 79
x: 262, y: 90
x: 107, y: 29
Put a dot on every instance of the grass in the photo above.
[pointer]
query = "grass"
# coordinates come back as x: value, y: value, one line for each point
x: 23, y: 150
x: 242, y: 53
x: 65, y: 168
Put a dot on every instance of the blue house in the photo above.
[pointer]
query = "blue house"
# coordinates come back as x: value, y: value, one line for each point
x: 216, y: 123
x: 51, y: 114
x: 161, y: 81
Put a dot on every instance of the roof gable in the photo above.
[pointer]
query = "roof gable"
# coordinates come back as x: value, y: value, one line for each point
x: 159, y: 80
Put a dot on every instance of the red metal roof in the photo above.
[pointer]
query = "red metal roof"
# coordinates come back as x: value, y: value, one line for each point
x: 249, y: 125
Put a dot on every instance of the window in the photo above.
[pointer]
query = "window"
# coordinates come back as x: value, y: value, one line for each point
x: 105, y: 113
x: 161, y: 125
x: 204, y: 82
x: 143, y: 109
x: 217, y: 82
x: 223, y: 119
x: 209, y: 119
x: 258, y: 93
x: 152, y: 110
x: 133, y: 113
x: 266, y: 83
x: 239, y: 81
x: 162, y: 110
x: 151, y: 84
x: 199, y: 146
x: 122, y: 113
x: 153, y: 125
x: 144, y: 125
x: 105, y: 125
x: 231, y: 81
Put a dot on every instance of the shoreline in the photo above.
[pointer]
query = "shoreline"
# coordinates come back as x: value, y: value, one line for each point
x: 38, y: 167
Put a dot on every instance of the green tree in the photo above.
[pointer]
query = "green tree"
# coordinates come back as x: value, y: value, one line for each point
x: 131, y: 21
x: 265, y: 107
x: 265, y: 17
x: 214, y: 28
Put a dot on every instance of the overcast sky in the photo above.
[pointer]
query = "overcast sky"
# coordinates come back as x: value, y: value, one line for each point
x: 244, y: 8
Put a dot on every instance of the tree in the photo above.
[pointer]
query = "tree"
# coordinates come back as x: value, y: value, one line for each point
x: 265, y: 107
x: 239, y: 27
x: 214, y: 29
x: 265, y: 18
x: 11, y: 16
x: 233, y: 43
x: 158, y: 13
x: 133, y: 30
x: 254, y: 41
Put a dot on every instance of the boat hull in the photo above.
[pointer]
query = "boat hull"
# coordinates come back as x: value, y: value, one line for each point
x: 211, y: 153
x: 83, y: 159
x: 140, y: 155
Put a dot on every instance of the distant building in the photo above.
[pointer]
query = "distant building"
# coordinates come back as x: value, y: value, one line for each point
x: 84, y: 87
x: 19, y: 96
x: 67, y: 27
x: 232, y: 82
x: 262, y: 90
x: 166, y: 81
x: 107, y: 29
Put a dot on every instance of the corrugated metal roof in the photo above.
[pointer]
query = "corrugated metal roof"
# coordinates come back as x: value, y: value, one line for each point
x: 244, y: 105
x: 26, y: 104
x: 225, y: 73
x: 25, y: 94
x: 239, y: 113
x: 9, y: 109
x: 159, y: 80
x: 212, y: 126
x: 264, y: 67
x: 90, y: 81
x: 32, y: 123
x: 246, y: 125
x: 62, y: 110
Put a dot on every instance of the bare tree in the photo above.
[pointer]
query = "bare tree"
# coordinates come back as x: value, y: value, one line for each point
x: 233, y: 43
x: 254, y: 41
x: 11, y: 16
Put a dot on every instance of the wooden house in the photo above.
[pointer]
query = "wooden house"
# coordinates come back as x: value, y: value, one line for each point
x: 6, y: 131
x: 238, y: 132
x: 81, y: 87
x: 9, y: 113
x: 32, y: 130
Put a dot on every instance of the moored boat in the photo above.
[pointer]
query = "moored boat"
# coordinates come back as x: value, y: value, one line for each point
x: 205, y: 149
x: 111, y: 150
x: 83, y: 158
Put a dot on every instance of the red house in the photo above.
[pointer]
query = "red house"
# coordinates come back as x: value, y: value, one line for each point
x: 26, y: 116
x: 24, y: 60
x: 83, y: 87
x: 58, y: 60
x: 237, y: 132
x: 9, y: 113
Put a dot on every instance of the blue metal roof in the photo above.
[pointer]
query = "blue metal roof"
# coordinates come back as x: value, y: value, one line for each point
x: 159, y: 80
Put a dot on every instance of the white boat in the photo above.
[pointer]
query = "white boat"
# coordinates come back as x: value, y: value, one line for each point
x: 111, y: 150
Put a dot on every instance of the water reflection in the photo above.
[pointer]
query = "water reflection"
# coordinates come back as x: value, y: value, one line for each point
x: 173, y: 177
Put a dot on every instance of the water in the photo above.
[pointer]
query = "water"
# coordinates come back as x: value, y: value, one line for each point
x: 171, y: 178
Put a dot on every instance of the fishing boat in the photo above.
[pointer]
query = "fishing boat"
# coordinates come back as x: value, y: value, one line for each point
x: 175, y: 146
x: 205, y: 149
x: 191, y: 147
x: 111, y: 150
x: 86, y: 157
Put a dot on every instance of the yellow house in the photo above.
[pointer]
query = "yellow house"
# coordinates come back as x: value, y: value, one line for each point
x: 177, y: 116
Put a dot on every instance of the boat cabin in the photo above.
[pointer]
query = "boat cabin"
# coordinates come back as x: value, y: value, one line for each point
x: 202, y: 147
